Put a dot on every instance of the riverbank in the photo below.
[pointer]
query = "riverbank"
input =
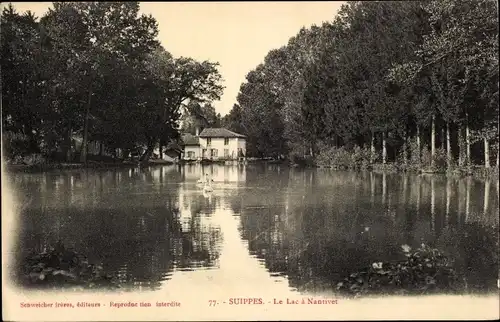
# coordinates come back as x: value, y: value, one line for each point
x: 473, y: 171
x: 476, y: 171
x: 33, y: 168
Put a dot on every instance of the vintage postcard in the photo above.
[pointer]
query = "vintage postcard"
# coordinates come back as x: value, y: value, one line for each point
x: 187, y: 161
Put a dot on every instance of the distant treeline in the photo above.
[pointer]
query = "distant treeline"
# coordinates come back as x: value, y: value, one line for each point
x: 94, y: 71
x: 405, y: 81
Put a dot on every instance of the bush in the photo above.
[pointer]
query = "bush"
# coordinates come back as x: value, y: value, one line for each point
x: 302, y: 161
x: 343, y: 158
x: 15, y: 146
x: 361, y: 157
x: 440, y: 159
x: 34, y: 159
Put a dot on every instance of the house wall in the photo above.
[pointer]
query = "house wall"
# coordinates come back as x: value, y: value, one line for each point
x: 242, y: 145
x: 166, y: 156
x: 194, y: 149
x: 220, y: 147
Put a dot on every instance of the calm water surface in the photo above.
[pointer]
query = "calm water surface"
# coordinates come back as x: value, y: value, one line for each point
x: 261, y: 226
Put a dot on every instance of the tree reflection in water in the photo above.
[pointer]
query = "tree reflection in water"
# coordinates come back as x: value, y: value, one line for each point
x: 313, y: 227
x: 323, y: 227
x: 139, y: 237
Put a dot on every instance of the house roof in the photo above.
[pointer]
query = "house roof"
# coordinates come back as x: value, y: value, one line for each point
x: 172, y: 146
x: 189, y: 139
x: 219, y: 133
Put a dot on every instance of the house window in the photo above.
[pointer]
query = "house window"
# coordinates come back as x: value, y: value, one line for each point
x: 191, y: 154
x: 226, y: 141
x: 240, y: 153
x: 226, y: 153
x: 204, y: 153
x: 214, y: 153
x: 209, y: 141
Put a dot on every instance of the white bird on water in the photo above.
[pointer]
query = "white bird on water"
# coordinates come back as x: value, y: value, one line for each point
x: 208, y: 184
x: 208, y: 187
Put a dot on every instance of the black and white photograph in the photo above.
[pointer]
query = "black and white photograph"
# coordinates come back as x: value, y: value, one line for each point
x: 257, y: 160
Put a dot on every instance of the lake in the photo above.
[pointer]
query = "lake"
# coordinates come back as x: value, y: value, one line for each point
x: 262, y: 226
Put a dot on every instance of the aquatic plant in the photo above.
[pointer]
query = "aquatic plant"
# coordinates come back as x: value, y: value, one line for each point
x: 62, y: 267
x: 425, y: 270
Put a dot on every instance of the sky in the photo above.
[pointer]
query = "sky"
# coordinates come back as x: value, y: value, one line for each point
x: 238, y: 35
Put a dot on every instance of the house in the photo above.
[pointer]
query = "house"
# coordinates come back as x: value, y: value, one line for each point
x: 214, y: 144
x: 173, y: 150
x: 191, y: 145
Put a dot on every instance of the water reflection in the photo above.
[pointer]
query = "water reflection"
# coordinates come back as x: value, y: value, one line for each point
x: 261, y: 224
x: 129, y: 220
x: 327, y: 224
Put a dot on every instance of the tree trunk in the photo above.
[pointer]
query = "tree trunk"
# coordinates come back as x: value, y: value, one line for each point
x: 100, y: 148
x: 126, y: 154
x: 83, y: 153
x: 498, y: 153
x: 460, y: 146
x: 384, y: 188
x: 448, y: 199
x: 467, y: 141
x: 486, y: 153
x: 405, y: 186
x: 372, y: 187
x: 448, y: 145
x: 161, y: 149
x: 384, y: 148
x: 460, y: 207
x: 147, y: 154
x: 405, y: 149
x: 419, y: 193
x: 68, y: 145
x: 433, y: 139
x: 467, y: 198
x: 487, y: 184
x: 443, y: 138
x: 419, y: 148
x: 372, y: 149
x: 433, y: 204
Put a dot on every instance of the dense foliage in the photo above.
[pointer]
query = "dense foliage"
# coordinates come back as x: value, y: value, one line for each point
x: 93, y: 70
x: 392, y: 78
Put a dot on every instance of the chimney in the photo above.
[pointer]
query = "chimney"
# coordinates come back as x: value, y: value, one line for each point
x: 197, y: 131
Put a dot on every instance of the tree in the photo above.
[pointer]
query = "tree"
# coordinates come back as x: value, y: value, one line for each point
x: 232, y: 121
x: 181, y: 80
x: 459, y: 61
x: 21, y: 76
x: 260, y: 116
x: 92, y: 37
x: 197, y: 116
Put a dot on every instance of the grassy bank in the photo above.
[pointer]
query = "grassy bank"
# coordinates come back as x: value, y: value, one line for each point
x: 41, y: 167
x: 475, y: 171
x: 362, y: 159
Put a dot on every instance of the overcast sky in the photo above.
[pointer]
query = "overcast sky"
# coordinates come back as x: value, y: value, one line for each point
x: 238, y: 35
